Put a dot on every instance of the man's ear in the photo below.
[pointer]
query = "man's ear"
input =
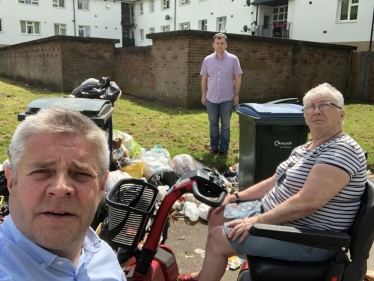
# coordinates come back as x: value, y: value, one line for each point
x: 9, y: 177
x: 103, y: 184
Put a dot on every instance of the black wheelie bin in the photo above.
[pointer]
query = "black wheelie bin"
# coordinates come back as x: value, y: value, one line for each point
x: 268, y: 134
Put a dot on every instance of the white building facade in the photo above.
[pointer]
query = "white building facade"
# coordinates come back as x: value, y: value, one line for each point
x: 329, y: 21
x: 26, y: 20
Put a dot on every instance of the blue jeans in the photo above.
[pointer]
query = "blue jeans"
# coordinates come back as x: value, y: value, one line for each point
x: 219, y: 139
x: 271, y: 248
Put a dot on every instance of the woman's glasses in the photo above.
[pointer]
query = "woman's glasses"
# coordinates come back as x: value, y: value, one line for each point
x: 322, y: 106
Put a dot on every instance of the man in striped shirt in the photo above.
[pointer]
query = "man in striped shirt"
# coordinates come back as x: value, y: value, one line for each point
x: 220, y: 84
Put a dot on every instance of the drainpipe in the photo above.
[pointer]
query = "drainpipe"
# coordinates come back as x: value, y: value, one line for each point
x: 371, y: 33
x: 175, y: 14
x: 75, y: 27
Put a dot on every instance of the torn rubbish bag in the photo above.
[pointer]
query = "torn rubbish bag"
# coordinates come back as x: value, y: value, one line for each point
x: 101, y: 88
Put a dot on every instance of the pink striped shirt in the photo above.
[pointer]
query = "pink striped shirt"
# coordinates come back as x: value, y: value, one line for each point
x: 221, y: 76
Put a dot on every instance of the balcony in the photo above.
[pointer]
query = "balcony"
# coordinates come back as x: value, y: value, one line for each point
x: 127, y: 24
x: 128, y: 42
x: 278, y: 30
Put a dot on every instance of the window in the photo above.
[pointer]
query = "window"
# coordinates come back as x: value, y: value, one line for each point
x: 1, y: 25
x: 280, y: 14
x: 348, y: 10
x: 152, y: 6
x: 59, y: 3
x: 165, y: 4
x: 185, y: 25
x: 221, y: 24
x: 140, y: 8
x: 141, y: 34
x: 31, y: 2
x: 165, y: 28
x: 60, y: 29
x: 185, y: 2
x: 30, y: 27
x: 83, y: 31
x: 152, y: 30
x: 83, y: 5
x: 203, y: 25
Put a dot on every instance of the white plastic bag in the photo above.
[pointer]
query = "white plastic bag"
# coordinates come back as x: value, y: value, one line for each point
x: 161, y: 154
x: 183, y: 163
x: 152, y: 166
x: 114, y: 177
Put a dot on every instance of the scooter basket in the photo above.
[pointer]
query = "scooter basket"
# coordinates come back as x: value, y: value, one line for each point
x: 130, y: 203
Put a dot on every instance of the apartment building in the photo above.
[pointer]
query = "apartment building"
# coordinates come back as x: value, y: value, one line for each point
x: 26, y: 20
x: 329, y: 21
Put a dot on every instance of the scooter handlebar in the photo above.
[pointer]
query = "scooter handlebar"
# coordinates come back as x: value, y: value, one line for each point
x: 206, y: 200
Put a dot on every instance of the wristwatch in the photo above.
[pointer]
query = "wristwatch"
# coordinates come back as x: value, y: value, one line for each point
x: 237, y: 197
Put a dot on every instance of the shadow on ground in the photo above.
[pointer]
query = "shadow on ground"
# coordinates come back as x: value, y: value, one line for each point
x: 186, y: 238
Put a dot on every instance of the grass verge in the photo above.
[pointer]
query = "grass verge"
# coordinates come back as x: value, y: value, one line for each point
x: 179, y: 130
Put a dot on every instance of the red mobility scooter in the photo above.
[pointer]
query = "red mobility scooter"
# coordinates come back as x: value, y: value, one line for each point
x: 131, y: 202
x: 130, y: 205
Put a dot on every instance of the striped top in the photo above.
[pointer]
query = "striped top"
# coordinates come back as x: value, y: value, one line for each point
x: 340, y: 212
x: 221, y: 76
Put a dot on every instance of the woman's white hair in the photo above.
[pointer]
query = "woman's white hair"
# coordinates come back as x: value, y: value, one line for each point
x: 57, y: 120
x: 327, y: 91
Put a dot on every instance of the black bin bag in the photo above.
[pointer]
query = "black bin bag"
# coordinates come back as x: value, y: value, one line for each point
x: 101, y: 88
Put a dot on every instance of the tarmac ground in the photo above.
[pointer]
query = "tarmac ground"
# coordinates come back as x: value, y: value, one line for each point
x: 187, y: 241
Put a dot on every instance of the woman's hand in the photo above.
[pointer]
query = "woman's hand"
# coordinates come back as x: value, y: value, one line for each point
x: 241, y: 227
x: 218, y: 209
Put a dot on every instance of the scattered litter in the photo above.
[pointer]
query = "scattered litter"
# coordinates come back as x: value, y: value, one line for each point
x: 234, y: 263
x: 190, y: 256
x: 200, y: 252
x: 369, y: 275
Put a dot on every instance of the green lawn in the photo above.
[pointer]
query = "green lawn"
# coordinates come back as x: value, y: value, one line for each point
x: 180, y: 131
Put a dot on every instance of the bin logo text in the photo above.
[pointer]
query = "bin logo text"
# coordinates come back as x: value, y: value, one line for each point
x: 281, y: 144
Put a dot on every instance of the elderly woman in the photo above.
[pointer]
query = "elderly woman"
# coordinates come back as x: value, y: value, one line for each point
x: 318, y: 187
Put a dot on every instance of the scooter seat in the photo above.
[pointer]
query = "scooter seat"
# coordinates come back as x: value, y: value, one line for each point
x: 266, y: 269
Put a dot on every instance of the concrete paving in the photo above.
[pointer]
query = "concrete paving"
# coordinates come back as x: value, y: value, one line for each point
x: 186, y: 238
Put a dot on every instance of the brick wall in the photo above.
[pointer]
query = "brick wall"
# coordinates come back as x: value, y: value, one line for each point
x: 272, y: 68
x: 58, y: 63
x: 168, y: 71
x: 135, y: 71
x: 38, y: 63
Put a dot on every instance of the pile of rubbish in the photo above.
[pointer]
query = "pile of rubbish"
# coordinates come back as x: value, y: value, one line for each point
x: 130, y: 160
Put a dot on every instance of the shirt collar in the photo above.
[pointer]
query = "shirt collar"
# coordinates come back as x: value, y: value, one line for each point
x: 91, y: 244
x: 223, y: 55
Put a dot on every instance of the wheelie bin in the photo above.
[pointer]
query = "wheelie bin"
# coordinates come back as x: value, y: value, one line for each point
x: 268, y: 134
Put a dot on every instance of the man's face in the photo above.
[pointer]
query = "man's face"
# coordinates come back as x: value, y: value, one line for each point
x: 219, y: 45
x: 56, y: 190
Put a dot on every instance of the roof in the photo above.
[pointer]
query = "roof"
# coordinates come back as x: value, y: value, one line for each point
x: 270, y: 2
